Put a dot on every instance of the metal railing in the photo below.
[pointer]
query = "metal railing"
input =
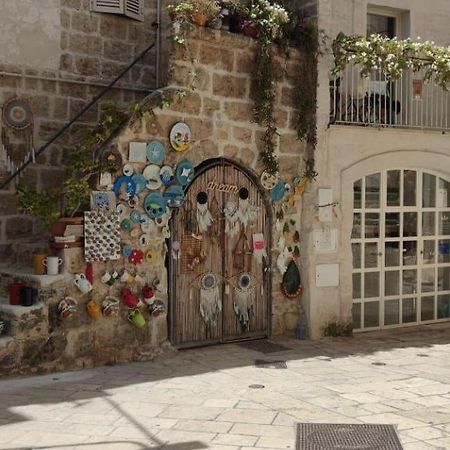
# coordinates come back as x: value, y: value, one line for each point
x: 375, y: 100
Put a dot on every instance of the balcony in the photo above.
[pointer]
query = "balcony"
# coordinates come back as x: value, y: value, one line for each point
x: 377, y: 101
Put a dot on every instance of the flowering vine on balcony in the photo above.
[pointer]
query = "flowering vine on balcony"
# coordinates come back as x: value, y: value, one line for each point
x: 393, y: 57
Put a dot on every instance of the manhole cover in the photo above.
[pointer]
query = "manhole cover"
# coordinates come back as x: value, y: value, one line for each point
x: 261, y: 363
x: 256, y: 386
x: 264, y: 346
x: 329, y: 436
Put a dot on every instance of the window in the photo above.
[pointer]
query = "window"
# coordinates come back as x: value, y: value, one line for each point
x: 384, y: 25
x: 388, y: 22
x: 130, y: 8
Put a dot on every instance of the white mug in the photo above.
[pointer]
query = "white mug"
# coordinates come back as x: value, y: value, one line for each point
x: 52, y: 263
x: 82, y: 283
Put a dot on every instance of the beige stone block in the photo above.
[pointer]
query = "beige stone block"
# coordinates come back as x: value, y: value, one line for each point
x: 87, y: 66
x: 289, y: 143
x: 244, y: 62
x: 243, y: 134
x: 113, y: 26
x: 208, y: 426
x: 247, y: 416
x: 205, y: 149
x: 85, y: 22
x: 210, y: 106
x: 281, y: 118
x: 202, y: 128
x: 234, y: 439
x: 290, y: 165
x: 288, y: 96
x: 117, y: 50
x: 238, y: 111
x: 230, y: 86
x: 216, y: 56
x: 191, y: 104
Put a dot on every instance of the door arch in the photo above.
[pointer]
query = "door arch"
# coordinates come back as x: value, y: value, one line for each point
x: 219, y: 252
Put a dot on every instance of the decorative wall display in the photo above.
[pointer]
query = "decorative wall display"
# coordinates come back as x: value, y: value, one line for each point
x: 278, y: 191
x: 140, y: 181
x: 101, y: 236
x: 259, y: 247
x: 167, y: 175
x: 221, y: 187
x: 155, y: 152
x: 244, y: 299
x: 137, y: 152
x: 174, y: 196
x: 67, y: 307
x: 151, y: 174
x: 93, y: 309
x: 130, y: 187
x: 180, y: 137
x: 110, y: 306
x: 232, y: 225
x: 210, y: 298
x: 103, y: 201
x: 192, y: 258
x: 155, y: 205
x: 204, y: 217
x: 185, y: 172
x: 291, y: 284
x: 246, y: 212
x: 82, y: 283
x: 268, y: 180
x: 128, y: 170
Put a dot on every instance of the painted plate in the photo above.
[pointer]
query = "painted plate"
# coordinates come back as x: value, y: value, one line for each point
x: 278, y: 191
x: 268, y: 180
x: 175, y: 196
x: 130, y: 186
x: 135, y: 217
x: 180, y: 137
x: 166, y: 174
x: 140, y: 181
x: 155, y: 152
x: 155, y: 205
x: 151, y: 174
x: 185, y: 172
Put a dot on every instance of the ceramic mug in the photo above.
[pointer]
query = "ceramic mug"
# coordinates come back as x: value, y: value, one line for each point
x: 2, y: 326
x: 52, y: 264
x: 14, y: 292
x: 110, y: 306
x: 67, y: 307
x: 93, y: 309
x: 82, y: 283
x: 136, y: 318
x: 38, y: 263
x: 28, y: 296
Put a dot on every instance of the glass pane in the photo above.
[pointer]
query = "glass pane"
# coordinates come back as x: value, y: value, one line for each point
x: 428, y: 279
x: 356, y: 231
x: 371, y: 314
x: 409, y: 253
x: 371, y: 255
x: 444, y: 223
x: 357, y: 194
x: 429, y: 191
x: 373, y: 191
x: 409, y: 188
x: 443, y: 306
x: 429, y: 254
x: 443, y: 200
x: 428, y: 224
x: 356, y: 251
x: 393, y: 188
x: 427, y: 309
x: 409, y: 224
x: 372, y: 225
x: 409, y: 283
x: 392, y: 225
x: 443, y: 278
x: 356, y: 314
x: 371, y: 284
x: 444, y: 250
x: 409, y: 312
x: 391, y: 282
x: 391, y: 312
x: 392, y: 254
x: 356, y: 285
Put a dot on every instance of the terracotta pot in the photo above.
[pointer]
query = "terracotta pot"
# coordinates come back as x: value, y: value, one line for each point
x: 250, y: 30
x: 199, y: 19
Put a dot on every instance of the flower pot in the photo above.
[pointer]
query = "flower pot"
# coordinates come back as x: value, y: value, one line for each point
x: 199, y: 19
x: 59, y: 228
x: 250, y: 30
x: 235, y: 23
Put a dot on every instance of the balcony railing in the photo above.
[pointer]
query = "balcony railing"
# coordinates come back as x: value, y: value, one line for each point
x: 375, y: 100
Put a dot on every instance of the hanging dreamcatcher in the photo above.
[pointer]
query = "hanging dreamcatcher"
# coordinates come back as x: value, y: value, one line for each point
x: 246, y: 213
x: 210, y: 299
x: 244, y: 299
x: 214, y: 230
x: 232, y: 225
x: 17, y: 130
x: 204, y: 217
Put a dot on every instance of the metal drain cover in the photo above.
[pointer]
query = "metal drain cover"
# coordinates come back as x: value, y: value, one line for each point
x: 262, y: 364
x: 329, y: 436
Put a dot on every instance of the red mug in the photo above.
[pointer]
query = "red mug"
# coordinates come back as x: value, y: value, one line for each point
x: 14, y: 292
x: 129, y: 298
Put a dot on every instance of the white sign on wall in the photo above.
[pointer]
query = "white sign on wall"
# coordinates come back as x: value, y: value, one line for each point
x: 325, y: 240
x: 327, y: 275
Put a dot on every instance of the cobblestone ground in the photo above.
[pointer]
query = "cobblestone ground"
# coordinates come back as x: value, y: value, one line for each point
x: 202, y: 399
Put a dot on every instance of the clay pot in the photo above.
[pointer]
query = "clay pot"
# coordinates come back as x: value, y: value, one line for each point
x: 199, y: 19
x: 250, y: 30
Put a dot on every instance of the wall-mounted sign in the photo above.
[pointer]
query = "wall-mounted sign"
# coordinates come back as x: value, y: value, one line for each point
x: 417, y: 87
x: 220, y: 187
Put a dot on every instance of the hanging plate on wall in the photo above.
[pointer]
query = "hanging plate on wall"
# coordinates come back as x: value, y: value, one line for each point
x: 155, y: 152
x: 185, y: 172
x: 140, y: 181
x: 151, y: 174
x: 180, y: 137
x: 175, y: 196
x: 155, y: 205
x: 166, y: 174
x: 268, y: 180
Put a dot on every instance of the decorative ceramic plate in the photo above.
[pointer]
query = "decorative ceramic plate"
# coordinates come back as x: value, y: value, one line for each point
x: 148, y: 226
x: 166, y: 174
x: 278, y: 191
x: 185, y: 172
x: 155, y: 205
x: 130, y: 186
x: 121, y: 210
x: 140, y: 181
x: 175, y: 196
x: 180, y: 137
x: 135, y: 217
x: 208, y: 281
x: 151, y: 174
x: 268, y: 180
x: 128, y: 170
x: 155, y: 152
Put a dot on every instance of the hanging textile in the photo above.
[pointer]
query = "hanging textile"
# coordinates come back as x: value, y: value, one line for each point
x: 244, y: 299
x: 204, y: 217
x: 210, y: 299
x: 259, y: 247
x: 231, y: 219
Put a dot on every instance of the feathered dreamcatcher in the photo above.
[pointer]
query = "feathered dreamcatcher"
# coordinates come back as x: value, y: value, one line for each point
x: 204, y: 217
x: 210, y: 298
x: 244, y: 299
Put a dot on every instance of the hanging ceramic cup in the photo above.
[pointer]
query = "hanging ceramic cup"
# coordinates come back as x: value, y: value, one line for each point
x: 82, y: 283
x: 136, y: 318
x: 52, y: 264
x: 93, y: 309
x: 110, y: 306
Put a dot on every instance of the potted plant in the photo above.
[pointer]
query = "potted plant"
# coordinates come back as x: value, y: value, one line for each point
x: 198, y: 12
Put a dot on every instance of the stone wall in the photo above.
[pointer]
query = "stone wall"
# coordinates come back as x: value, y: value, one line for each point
x: 58, y: 56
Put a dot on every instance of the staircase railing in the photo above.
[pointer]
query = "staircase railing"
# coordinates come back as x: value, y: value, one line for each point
x: 94, y: 100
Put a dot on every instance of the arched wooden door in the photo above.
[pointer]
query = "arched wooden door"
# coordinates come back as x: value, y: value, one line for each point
x: 221, y: 257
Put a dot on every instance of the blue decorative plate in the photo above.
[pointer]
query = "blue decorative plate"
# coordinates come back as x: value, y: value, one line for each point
x: 278, y: 191
x: 174, y: 196
x: 185, y: 172
x: 140, y: 181
x: 126, y: 250
x: 155, y: 205
x: 135, y: 217
x: 166, y: 174
x: 155, y: 152
x: 131, y: 185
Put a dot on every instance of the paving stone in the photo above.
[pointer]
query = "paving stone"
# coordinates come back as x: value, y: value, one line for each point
x: 247, y: 415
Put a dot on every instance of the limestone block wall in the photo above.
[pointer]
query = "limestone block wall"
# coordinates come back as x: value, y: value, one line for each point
x: 57, y: 55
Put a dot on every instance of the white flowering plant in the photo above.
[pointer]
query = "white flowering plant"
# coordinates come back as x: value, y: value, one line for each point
x: 393, y: 57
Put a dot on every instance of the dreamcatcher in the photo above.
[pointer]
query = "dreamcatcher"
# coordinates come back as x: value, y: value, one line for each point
x: 246, y: 213
x: 204, y: 217
x: 17, y: 130
x: 214, y: 230
x: 210, y: 299
x: 232, y: 225
x: 244, y: 299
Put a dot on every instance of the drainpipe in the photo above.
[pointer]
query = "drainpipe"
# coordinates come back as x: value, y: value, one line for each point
x: 158, y: 43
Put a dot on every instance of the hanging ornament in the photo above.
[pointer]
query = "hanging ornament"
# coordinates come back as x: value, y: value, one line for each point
x: 291, y: 284
x: 180, y: 137
x: 204, y: 217
x: 215, y: 213
x: 231, y: 219
x: 246, y: 212
x: 268, y: 180
x: 187, y: 217
x: 259, y: 247
x: 176, y: 250
x: 210, y: 300
x: 244, y: 299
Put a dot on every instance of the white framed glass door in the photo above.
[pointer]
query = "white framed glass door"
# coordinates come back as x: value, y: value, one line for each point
x: 401, y: 249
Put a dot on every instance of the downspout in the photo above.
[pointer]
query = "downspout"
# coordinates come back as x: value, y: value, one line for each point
x: 158, y: 43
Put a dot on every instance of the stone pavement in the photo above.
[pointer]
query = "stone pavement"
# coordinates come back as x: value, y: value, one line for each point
x: 202, y: 399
